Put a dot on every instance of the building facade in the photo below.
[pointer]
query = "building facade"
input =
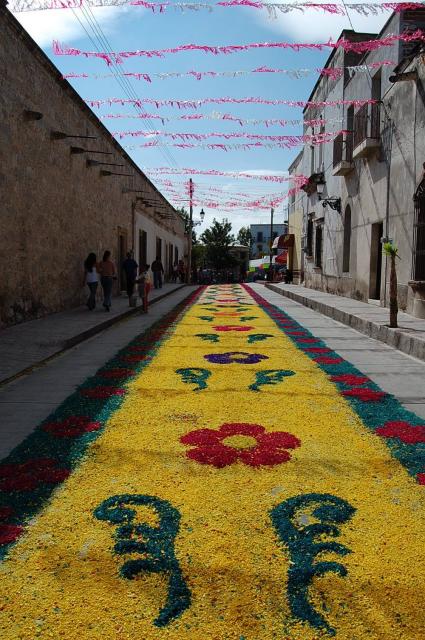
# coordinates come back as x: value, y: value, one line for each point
x: 371, y: 176
x: 66, y: 188
x: 295, y: 227
x: 262, y: 239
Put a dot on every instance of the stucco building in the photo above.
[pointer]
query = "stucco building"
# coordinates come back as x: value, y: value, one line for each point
x: 370, y: 175
x: 261, y: 238
x: 66, y: 188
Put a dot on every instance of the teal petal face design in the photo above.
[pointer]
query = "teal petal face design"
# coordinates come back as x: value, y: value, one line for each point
x: 302, y: 523
x: 208, y: 337
x: 196, y: 376
x: 270, y: 376
x: 258, y: 337
x: 154, y: 545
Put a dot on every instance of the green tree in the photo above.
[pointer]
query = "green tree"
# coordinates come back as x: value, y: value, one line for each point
x: 244, y: 237
x: 185, y: 215
x: 217, y: 240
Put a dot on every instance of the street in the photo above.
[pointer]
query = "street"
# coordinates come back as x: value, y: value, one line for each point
x: 232, y: 466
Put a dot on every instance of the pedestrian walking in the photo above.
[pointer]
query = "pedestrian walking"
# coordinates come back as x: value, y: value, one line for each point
x: 175, y: 272
x: 158, y: 271
x: 144, y: 286
x: 91, y: 279
x: 130, y: 267
x: 108, y: 274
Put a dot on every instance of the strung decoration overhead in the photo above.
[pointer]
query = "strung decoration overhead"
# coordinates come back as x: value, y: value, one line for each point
x: 164, y: 171
x: 317, y: 138
x: 217, y: 115
x: 296, y: 74
x: 273, y: 8
x: 343, y: 43
x: 289, y: 143
x: 194, y: 104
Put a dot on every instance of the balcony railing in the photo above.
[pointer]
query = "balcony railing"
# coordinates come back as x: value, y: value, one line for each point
x: 367, y: 123
x: 343, y: 148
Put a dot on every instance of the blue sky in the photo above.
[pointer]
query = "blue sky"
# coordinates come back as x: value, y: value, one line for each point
x: 131, y: 28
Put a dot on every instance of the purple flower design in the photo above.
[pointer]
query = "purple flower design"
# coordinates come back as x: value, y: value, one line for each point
x: 238, y: 357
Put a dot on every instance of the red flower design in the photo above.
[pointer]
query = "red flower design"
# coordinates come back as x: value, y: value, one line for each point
x: 347, y: 378
x: 232, y: 327
x: 117, y: 373
x: 210, y: 448
x: 295, y: 333
x: 307, y: 340
x: 136, y: 358
x: 404, y: 431
x: 5, y: 513
x: 72, y: 427
x: 28, y: 475
x: 317, y: 349
x: 421, y: 478
x: 102, y: 392
x: 366, y: 395
x: 327, y: 360
x: 9, y: 533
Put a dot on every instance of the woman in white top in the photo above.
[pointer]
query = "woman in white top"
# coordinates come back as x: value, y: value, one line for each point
x: 91, y: 279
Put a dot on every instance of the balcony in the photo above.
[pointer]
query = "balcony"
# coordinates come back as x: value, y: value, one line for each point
x: 367, y: 130
x: 343, y: 154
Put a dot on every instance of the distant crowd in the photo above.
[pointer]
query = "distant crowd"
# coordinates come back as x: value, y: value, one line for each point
x: 105, y: 272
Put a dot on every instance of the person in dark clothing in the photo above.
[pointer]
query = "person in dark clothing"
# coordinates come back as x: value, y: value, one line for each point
x: 157, y: 270
x: 130, y: 268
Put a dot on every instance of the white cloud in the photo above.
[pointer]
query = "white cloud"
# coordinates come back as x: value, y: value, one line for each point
x: 318, y: 26
x: 62, y: 24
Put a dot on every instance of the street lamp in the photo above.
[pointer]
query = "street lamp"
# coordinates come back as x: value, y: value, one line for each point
x: 195, y: 223
x: 333, y: 202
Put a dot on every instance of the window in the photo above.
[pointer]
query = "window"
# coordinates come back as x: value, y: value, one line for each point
x: 347, y: 240
x: 318, y: 246
x: 176, y: 255
x: 321, y: 147
x: 158, y: 248
x: 260, y: 247
x: 312, y: 158
x: 419, y: 233
x: 310, y: 237
x: 259, y: 236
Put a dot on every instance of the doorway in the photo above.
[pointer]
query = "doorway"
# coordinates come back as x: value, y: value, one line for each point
x: 122, y: 252
x: 376, y: 261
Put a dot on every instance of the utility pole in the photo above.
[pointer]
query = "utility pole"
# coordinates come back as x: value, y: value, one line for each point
x: 189, y: 248
x: 271, y: 236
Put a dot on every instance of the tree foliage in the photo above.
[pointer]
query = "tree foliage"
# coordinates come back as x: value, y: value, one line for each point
x: 217, y: 240
x: 244, y: 236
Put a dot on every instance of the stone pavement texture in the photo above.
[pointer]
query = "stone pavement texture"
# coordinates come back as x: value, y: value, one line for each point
x: 26, y: 345
x: 395, y: 372
x: 366, y: 318
x: 29, y: 399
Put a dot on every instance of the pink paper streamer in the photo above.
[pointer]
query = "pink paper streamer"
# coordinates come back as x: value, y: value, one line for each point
x: 358, y: 47
x: 318, y: 138
x: 164, y: 171
x: 194, y: 104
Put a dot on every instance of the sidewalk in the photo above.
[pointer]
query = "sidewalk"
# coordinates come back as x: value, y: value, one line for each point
x: 29, y: 344
x: 366, y: 318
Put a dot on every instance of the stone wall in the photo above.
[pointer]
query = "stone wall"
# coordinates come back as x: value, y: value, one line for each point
x: 55, y: 208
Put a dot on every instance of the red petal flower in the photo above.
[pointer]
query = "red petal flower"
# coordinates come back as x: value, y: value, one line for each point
x: 72, y: 427
x: 9, y: 533
x: 210, y: 449
x: 308, y: 340
x: 102, y: 392
x: 28, y: 475
x: 328, y: 360
x: 317, y: 349
x: 5, y: 513
x: 404, y: 431
x: 366, y: 395
x: 421, y: 478
x: 230, y: 327
x: 347, y: 378
x: 295, y: 333
x: 202, y: 436
x: 117, y: 373
x: 218, y: 456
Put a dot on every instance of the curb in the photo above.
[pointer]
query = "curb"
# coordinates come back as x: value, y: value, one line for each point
x: 396, y: 338
x: 85, y: 335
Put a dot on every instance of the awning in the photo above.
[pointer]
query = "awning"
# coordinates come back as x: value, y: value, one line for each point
x: 284, y: 242
x: 282, y: 258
